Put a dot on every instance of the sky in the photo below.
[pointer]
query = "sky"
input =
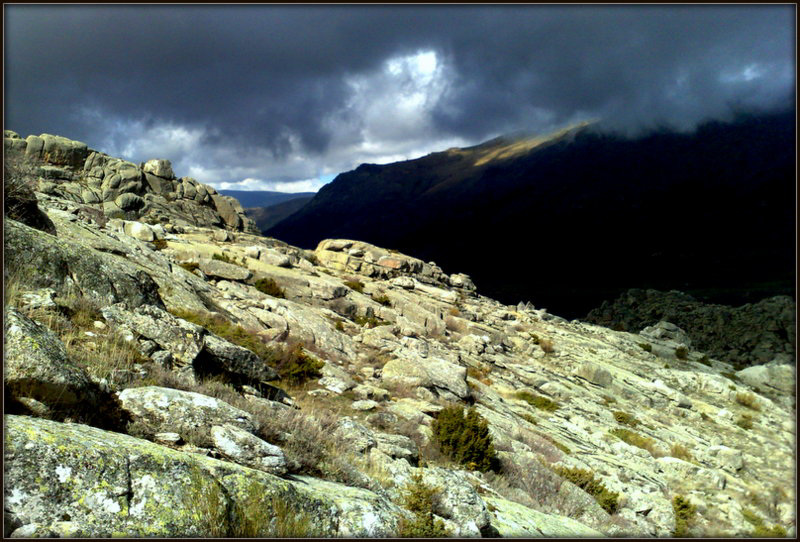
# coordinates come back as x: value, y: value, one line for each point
x: 268, y: 97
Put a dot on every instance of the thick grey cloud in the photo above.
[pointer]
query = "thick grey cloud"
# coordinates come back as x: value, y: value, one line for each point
x: 286, y: 93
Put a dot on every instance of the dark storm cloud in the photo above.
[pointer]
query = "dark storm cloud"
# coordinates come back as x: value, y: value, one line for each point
x: 257, y: 89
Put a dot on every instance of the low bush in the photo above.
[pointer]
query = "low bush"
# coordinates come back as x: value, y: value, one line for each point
x: 625, y: 418
x: 222, y: 257
x: 538, y: 401
x: 355, y: 285
x: 745, y: 421
x: 681, y: 352
x: 680, y: 451
x: 481, y: 374
x: 635, y: 439
x: 419, y: 499
x: 647, y: 347
x: 190, y: 266
x: 465, y: 438
x: 748, y: 400
x: 704, y: 360
x: 685, y: 513
x: 547, y: 346
x: 607, y: 400
x: 383, y: 299
x: 252, y: 513
x: 159, y: 244
x: 296, y: 366
x: 270, y: 287
x: 608, y: 500
x: 760, y: 529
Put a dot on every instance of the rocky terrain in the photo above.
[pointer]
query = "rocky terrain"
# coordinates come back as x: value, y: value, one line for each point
x: 752, y: 334
x: 170, y: 372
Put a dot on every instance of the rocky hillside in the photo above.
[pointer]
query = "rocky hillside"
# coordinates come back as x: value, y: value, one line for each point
x: 116, y: 188
x: 578, y: 217
x: 752, y: 334
x: 177, y: 380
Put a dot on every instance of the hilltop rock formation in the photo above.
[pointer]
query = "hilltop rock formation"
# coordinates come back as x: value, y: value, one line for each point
x: 752, y: 334
x: 290, y: 392
x: 119, y: 189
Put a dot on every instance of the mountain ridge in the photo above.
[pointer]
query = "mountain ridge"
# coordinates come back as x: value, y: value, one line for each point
x: 694, y: 210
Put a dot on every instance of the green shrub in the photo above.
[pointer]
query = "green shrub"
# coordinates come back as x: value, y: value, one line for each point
x: 355, y: 285
x: 253, y: 513
x: 465, y: 439
x: 634, y: 439
x: 383, y: 299
x: 608, y: 500
x: 296, y: 366
x: 684, y: 516
x: 538, y: 401
x: 270, y: 287
x: 647, y: 347
x: 681, y: 352
x: 704, y: 360
x: 418, y: 499
x: 159, y: 244
x: 625, y: 418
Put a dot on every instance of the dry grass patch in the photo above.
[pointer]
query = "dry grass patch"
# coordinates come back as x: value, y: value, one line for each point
x: 749, y: 400
x: 635, y: 439
x: 538, y: 401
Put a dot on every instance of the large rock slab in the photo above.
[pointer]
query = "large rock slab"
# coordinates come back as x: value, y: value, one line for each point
x: 414, y: 371
x: 182, y: 339
x: 36, y: 365
x: 234, y: 359
x: 779, y: 377
x: 169, y: 410
x: 53, y: 262
x: 245, y: 449
x: 223, y: 270
x: 513, y: 520
x: 110, y: 484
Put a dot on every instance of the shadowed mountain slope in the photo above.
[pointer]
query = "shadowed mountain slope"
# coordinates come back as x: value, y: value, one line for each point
x: 576, y: 218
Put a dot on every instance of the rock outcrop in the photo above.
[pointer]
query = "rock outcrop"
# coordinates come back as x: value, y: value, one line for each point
x: 753, y: 334
x: 68, y: 169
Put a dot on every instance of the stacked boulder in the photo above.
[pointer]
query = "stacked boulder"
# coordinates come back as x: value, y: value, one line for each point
x: 70, y: 170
